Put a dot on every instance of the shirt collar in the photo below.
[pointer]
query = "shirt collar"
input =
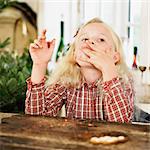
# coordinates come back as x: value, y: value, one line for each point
x: 90, y: 85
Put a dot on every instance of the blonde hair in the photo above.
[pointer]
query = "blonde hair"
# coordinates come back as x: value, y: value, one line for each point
x: 67, y: 72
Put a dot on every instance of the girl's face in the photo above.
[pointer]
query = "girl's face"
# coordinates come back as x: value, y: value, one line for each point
x: 95, y: 33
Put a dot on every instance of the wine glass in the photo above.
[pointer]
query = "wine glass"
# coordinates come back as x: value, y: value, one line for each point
x: 142, y: 69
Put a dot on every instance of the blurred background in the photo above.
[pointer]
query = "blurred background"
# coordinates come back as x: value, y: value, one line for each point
x: 22, y: 21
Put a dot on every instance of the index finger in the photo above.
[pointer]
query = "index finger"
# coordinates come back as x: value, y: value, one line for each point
x: 44, y: 32
x: 43, y: 35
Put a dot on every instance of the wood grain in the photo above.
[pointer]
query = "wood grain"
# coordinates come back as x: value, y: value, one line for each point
x: 44, y: 133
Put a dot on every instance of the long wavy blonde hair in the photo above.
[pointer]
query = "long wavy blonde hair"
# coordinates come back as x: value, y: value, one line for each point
x: 68, y: 73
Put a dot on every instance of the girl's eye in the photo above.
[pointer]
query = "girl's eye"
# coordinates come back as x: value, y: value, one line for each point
x: 85, y: 39
x: 101, y: 40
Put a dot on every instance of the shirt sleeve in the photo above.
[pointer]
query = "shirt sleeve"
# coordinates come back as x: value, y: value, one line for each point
x: 44, y: 101
x: 118, y: 100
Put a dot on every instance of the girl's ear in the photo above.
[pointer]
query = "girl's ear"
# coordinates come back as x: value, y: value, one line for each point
x: 116, y: 57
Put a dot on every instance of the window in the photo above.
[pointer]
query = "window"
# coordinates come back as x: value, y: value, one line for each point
x: 134, y: 28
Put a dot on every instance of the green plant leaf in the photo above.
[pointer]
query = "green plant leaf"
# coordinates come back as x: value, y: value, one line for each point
x: 14, y: 70
x: 21, y: 78
x: 12, y: 85
x: 5, y: 43
x: 25, y: 71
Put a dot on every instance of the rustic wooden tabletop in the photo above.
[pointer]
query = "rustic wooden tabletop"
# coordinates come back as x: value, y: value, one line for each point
x: 21, y: 132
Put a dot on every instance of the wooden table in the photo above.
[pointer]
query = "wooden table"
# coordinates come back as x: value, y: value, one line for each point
x: 22, y: 132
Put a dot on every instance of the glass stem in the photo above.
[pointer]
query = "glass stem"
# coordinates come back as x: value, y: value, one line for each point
x: 142, y: 77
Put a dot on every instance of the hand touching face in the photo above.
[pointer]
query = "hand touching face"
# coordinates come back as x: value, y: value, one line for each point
x: 95, y: 47
x: 102, y: 60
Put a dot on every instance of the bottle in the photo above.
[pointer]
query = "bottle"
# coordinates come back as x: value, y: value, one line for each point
x: 61, y: 46
x: 134, y: 65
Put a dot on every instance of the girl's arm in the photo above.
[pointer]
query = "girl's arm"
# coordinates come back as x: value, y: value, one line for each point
x: 38, y: 102
x: 41, y: 101
x: 118, y: 100
x: 41, y: 52
x: 118, y: 95
x: 38, y: 72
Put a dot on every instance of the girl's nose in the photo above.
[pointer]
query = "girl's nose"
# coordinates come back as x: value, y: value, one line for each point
x: 91, y: 41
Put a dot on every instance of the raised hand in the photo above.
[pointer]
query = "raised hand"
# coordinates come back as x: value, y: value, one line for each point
x: 41, y: 50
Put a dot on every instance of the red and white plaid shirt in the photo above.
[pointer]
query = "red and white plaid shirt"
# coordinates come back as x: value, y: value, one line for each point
x: 114, y: 102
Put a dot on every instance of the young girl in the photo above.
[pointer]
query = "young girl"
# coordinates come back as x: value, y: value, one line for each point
x: 92, y: 80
